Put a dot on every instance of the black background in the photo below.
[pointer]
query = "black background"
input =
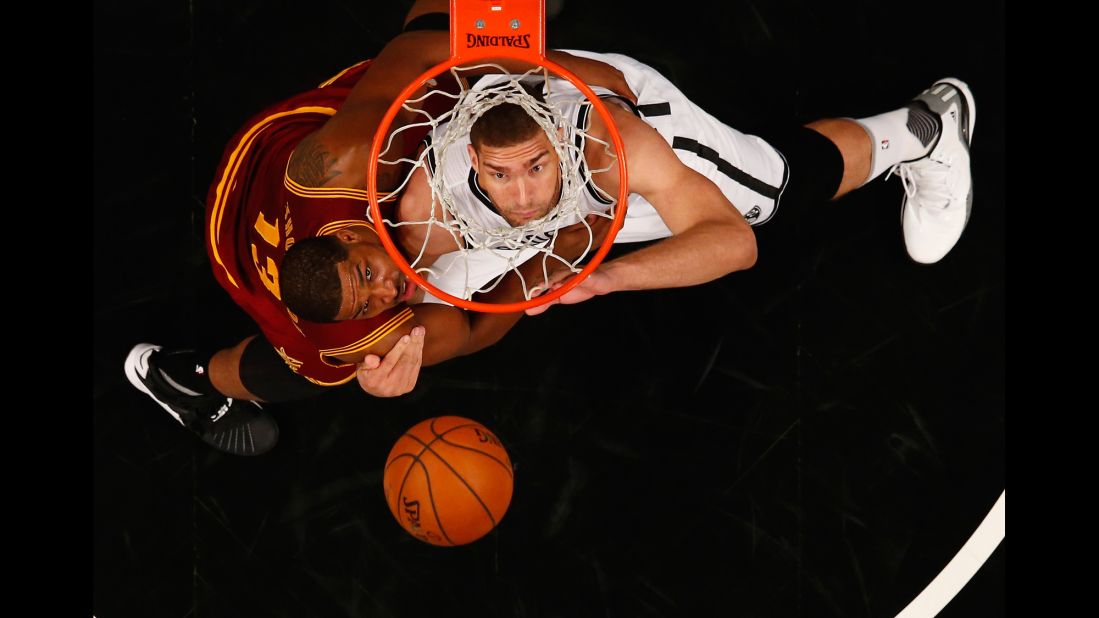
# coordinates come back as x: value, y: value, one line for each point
x: 814, y: 437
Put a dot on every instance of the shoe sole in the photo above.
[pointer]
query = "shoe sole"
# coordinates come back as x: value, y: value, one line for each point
x: 971, y: 122
x: 971, y: 103
x: 970, y: 110
x: 138, y: 357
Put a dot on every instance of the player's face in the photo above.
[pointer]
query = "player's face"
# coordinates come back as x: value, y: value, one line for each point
x: 370, y: 281
x: 522, y: 180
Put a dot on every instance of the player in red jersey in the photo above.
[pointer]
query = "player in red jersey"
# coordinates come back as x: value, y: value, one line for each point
x: 296, y: 170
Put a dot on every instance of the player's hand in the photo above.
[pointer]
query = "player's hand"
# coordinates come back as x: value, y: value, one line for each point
x: 396, y: 374
x: 586, y: 235
x: 596, y: 284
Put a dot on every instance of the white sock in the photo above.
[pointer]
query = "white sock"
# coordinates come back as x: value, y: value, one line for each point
x: 901, y: 135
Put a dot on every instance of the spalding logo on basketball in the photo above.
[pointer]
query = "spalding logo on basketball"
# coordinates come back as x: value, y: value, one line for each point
x: 448, y: 480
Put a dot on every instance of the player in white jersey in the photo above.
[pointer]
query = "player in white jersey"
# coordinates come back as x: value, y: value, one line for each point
x: 705, y: 181
x: 703, y: 143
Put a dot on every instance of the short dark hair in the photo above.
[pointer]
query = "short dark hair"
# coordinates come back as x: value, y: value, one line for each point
x: 503, y: 125
x: 506, y: 124
x: 309, y: 278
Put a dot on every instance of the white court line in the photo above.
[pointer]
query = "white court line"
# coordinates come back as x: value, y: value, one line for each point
x: 985, y: 539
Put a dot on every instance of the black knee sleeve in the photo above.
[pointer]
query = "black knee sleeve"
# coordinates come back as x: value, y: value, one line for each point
x: 815, y: 167
x: 265, y: 374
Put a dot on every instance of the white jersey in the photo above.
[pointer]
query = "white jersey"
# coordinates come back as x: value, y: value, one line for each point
x: 750, y: 173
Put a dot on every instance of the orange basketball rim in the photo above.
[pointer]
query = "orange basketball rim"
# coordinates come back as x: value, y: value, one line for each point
x: 481, y: 30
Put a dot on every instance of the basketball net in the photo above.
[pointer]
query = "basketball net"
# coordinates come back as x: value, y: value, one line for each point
x: 487, y: 249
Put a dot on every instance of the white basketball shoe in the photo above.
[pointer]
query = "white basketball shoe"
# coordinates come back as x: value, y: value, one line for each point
x: 939, y: 187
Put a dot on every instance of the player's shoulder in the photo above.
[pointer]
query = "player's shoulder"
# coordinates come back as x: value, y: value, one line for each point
x: 313, y: 163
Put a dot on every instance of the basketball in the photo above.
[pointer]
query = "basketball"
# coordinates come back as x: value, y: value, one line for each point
x: 448, y: 480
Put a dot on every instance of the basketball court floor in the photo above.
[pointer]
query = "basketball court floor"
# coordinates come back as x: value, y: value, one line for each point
x: 817, y: 436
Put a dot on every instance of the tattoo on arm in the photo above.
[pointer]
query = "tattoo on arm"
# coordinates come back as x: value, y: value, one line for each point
x: 312, y: 165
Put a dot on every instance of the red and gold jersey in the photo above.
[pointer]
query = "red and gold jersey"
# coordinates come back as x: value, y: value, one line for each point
x: 254, y: 213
